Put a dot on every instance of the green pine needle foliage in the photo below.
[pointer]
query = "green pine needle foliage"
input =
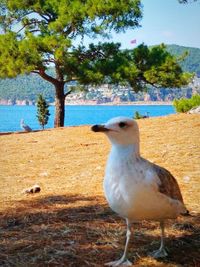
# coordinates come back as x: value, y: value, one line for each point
x: 184, y: 105
x: 137, y: 115
x: 42, y: 111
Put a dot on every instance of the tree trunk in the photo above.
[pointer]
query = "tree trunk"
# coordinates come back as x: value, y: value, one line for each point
x: 60, y: 95
x: 59, y: 105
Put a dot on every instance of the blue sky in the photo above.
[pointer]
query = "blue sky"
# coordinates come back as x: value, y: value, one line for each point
x: 165, y: 21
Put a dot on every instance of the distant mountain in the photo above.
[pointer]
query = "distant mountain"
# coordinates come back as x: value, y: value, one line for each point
x: 192, y: 62
x: 27, y: 87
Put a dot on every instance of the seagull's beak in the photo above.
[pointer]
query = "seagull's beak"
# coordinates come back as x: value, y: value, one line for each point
x: 99, y: 128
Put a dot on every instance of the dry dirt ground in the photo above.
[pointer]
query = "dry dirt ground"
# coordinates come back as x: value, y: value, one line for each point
x: 69, y: 223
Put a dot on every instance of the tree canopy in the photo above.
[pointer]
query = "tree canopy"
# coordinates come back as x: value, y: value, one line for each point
x: 138, y: 67
x: 39, y: 34
x: 187, y: 1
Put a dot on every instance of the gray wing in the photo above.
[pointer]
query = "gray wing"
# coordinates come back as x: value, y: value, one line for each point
x: 27, y: 128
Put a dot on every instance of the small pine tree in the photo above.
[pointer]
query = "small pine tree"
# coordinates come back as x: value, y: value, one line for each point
x: 137, y: 116
x: 42, y: 111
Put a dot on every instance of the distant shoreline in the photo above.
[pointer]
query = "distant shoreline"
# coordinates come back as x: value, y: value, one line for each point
x: 91, y: 103
x: 135, y: 103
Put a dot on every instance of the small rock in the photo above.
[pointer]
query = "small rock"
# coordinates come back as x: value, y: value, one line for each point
x: 186, y: 179
x: 44, y: 173
x: 98, y: 168
x: 32, y: 190
x: 195, y: 110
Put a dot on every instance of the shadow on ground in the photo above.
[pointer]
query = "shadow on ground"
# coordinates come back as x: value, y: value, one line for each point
x: 79, y: 231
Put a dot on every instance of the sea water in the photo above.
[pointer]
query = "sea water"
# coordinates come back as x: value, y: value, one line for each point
x: 10, y: 116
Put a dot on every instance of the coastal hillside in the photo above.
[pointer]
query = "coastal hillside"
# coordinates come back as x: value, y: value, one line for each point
x: 69, y: 222
x: 25, y: 89
x: 191, y: 63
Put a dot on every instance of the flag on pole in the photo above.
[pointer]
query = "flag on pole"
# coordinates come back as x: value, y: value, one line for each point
x: 133, y: 41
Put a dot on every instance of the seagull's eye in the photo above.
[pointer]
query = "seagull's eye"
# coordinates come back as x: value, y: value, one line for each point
x: 122, y: 124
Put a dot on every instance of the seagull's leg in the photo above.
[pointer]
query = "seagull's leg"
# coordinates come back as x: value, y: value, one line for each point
x: 161, y: 253
x: 123, y: 261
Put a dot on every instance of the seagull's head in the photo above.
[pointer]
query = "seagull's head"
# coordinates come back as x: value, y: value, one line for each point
x: 120, y: 130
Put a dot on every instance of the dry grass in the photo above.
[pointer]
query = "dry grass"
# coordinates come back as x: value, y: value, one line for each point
x: 68, y: 223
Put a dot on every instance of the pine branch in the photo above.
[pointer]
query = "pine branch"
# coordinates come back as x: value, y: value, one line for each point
x: 47, y: 77
x: 69, y: 92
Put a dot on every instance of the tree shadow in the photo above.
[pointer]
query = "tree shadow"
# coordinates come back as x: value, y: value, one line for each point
x: 74, y: 230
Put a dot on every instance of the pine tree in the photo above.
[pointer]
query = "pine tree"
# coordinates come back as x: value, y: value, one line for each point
x: 37, y: 35
x: 42, y: 111
x: 137, y: 116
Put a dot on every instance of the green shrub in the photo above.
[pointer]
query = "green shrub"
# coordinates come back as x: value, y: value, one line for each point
x: 183, y: 105
x: 137, y: 115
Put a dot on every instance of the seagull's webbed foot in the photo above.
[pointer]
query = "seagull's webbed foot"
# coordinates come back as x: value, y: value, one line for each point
x: 121, y: 262
x: 161, y: 253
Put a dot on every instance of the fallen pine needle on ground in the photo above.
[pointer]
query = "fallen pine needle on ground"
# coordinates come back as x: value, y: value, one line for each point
x: 68, y: 223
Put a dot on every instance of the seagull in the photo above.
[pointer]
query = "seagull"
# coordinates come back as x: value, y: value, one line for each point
x: 25, y: 126
x: 134, y: 187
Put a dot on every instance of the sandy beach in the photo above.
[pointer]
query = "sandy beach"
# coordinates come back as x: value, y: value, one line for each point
x: 69, y: 223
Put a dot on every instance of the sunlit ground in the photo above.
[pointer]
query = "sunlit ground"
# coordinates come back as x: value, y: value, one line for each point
x: 69, y: 223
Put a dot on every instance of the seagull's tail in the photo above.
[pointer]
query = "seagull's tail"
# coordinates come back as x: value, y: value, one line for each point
x: 186, y: 213
x: 183, y: 211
